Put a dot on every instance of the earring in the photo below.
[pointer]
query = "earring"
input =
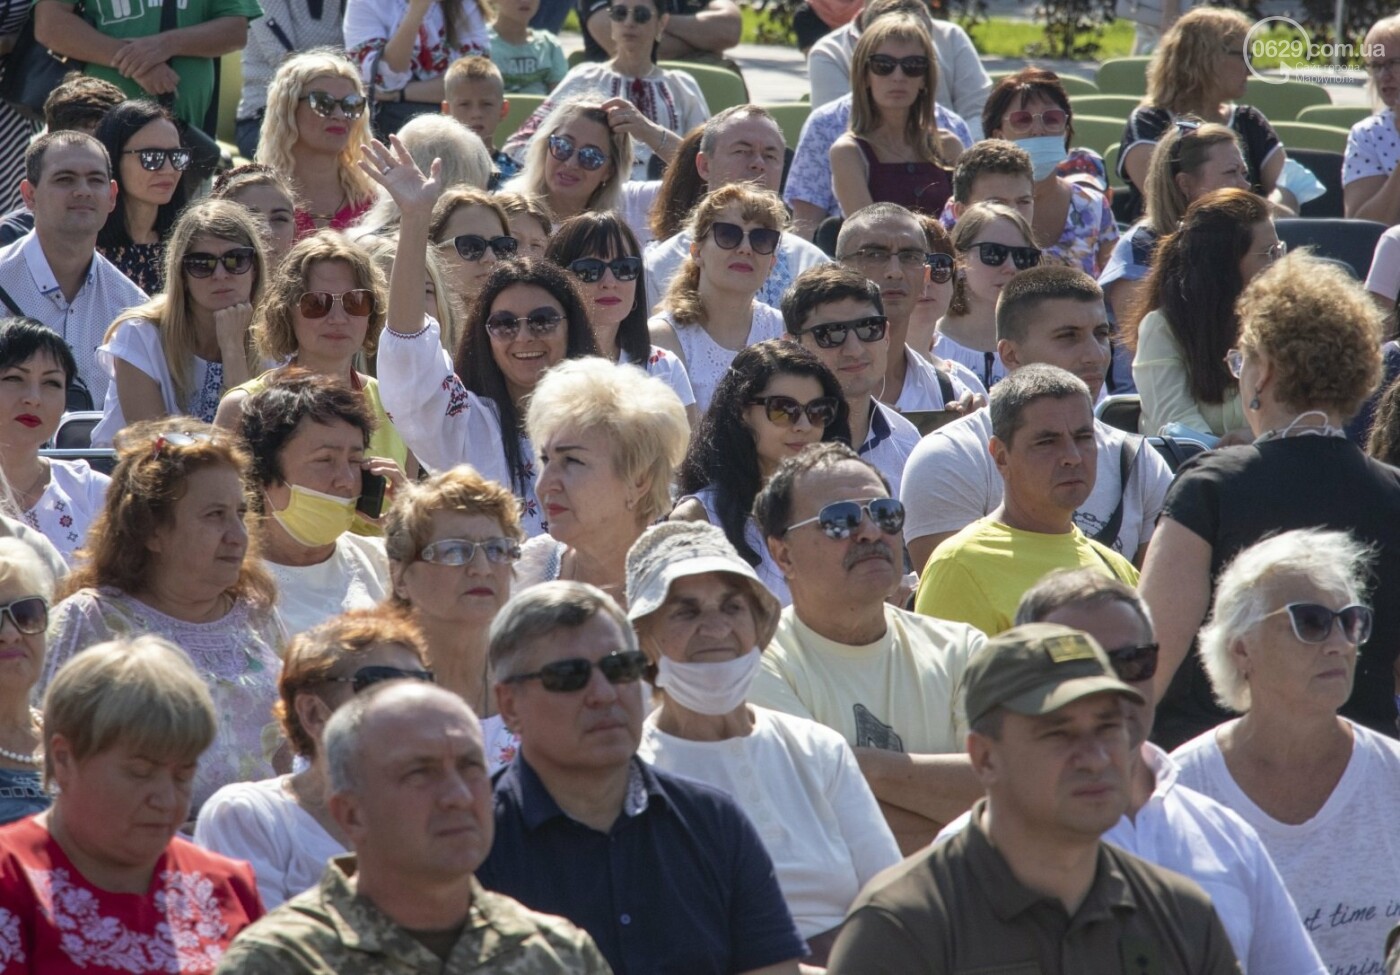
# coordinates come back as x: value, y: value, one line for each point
x: 1254, y: 403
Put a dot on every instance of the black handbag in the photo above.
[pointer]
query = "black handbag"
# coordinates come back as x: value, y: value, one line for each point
x: 31, y: 73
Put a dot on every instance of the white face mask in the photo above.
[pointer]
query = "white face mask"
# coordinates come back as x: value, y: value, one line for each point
x: 709, y: 688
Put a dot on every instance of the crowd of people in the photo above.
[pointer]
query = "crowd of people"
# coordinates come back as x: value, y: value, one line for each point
x: 632, y: 544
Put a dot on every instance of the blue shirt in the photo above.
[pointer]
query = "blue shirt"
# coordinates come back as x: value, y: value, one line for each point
x: 681, y: 883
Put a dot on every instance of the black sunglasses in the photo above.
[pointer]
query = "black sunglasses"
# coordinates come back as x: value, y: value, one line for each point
x: 832, y: 335
x: 590, y: 270
x: 784, y: 410
x: 153, y: 159
x: 460, y: 551
x: 376, y: 674
x: 640, y: 14
x: 731, y: 235
x: 201, y: 265
x: 914, y: 66
x: 1134, y: 664
x: 940, y: 267
x: 994, y: 255
x: 591, y: 158
x: 29, y: 614
x: 565, y: 676
x: 505, y: 326
x: 472, y: 247
x: 1312, y: 622
x: 324, y: 104
x: 840, y: 518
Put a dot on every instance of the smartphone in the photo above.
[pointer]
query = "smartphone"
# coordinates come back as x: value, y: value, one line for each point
x: 928, y: 421
x: 372, y: 487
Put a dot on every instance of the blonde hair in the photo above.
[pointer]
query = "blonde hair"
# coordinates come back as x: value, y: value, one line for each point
x: 222, y: 219
x: 20, y: 564
x: 446, y: 308
x: 274, y: 328
x: 920, y: 128
x: 524, y: 205
x: 759, y: 206
x: 1179, y: 152
x: 531, y: 178
x: 473, y: 67
x: 973, y: 221
x: 279, y: 136
x: 1180, y: 76
x: 1387, y: 28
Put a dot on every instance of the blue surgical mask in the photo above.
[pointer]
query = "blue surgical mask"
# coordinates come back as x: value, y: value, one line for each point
x: 1046, y: 152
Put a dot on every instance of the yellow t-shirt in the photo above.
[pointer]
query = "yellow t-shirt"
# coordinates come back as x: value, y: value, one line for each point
x: 979, y: 575
x: 384, y: 442
x: 900, y: 693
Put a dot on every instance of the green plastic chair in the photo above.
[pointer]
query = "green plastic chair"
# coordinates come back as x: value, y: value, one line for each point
x: 790, y: 117
x: 1094, y: 132
x: 1340, y: 116
x: 1073, y: 84
x: 1304, y: 135
x: 1104, y: 106
x: 520, y: 108
x: 1282, y: 102
x: 721, y: 87
x: 1123, y: 76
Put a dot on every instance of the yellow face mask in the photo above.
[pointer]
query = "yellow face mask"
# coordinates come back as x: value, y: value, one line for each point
x: 315, y: 519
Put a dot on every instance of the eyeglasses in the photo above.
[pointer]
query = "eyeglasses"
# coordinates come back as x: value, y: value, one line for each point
x: 591, y: 158
x: 940, y: 267
x: 29, y: 614
x: 590, y: 270
x: 1134, y: 664
x: 460, y: 551
x: 914, y: 66
x: 1378, y: 68
x: 177, y: 439
x: 832, y: 335
x: 784, y: 410
x: 153, y: 159
x: 324, y: 104
x: 994, y: 255
x: 1274, y: 253
x: 1312, y: 622
x: 472, y: 247
x: 1234, y: 361
x: 1021, y: 120
x: 731, y: 235
x: 839, y: 519
x: 566, y: 676
x: 505, y: 326
x: 641, y: 14
x: 317, y: 304
x: 377, y: 674
x: 236, y: 261
x: 875, y: 257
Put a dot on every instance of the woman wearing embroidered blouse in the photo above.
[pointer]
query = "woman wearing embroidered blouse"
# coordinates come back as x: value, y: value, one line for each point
x: 709, y: 312
x: 26, y: 588
x: 281, y: 826
x: 1370, y: 188
x: 573, y: 166
x: 170, y: 556
x: 653, y: 105
x: 894, y: 152
x: 316, y: 120
x: 101, y: 883
x: 147, y: 163
x: 57, y: 497
x: 703, y: 620
x: 179, y: 352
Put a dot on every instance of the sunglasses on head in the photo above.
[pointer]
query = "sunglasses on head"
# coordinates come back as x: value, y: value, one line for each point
x: 784, y: 410
x: 472, y: 247
x: 505, y: 326
x: 201, y: 265
x: 324, y: 104
x: 29, y: 614
x: 178, y: 439
x: 832, y: 335
x: 590, y: 270
x: 1021, y: 120
x: 641, y: 14
x: 153, y: 159
x: 318, y: 304
x: 940, y: 267
x: 591, y: 158
x: 914, y: 66
x: 840, y: 518
x: 994, y: 255
x: 1312, y: 622
x: 564, y: 676
x: 731, y: 235
x: 377, y: 674
x: 1134, y: 664
x: 460, y: 551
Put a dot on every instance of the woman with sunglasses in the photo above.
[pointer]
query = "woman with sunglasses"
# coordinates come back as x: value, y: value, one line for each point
x: 1307, y: 355
x: 147, y: 163
x: 471, y: 232
x: 932, y: 306
x: 531, y: 222
x: 709, y: 312
x: 774, y: 400
x: 992, y: 243
x: 894, y: 152
x: 26, y: 589
x: 602, y: 253
x: 316, y: 121
x: 1187, y: 317
x: 282, y: 825
x: 179, y: 352
x: 1282, y: 649
x: 655, y: 106
x: 268, y: 194
x: 573, y: 166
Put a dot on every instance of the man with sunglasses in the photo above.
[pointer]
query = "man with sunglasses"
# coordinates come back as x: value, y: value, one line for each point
x: 886, y: 679
x: 664, y: 873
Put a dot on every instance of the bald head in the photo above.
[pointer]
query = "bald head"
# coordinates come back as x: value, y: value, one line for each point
x: 380, y: 715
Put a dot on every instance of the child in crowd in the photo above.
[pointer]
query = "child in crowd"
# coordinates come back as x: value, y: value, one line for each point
x: 531, y: 62
x: 474, y: 94
x: 992, y: 171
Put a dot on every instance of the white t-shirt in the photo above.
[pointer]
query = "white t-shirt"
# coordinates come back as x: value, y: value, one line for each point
x: 1340, y: 866
x: 950, y: 481
x: 1384, y: 277
x: 137, y: 342
x: 667, y: 367
x: 1373, y: 147
x: 799, y: 783
x: 706, y: 361
x: 986, y: 366
x: 356, y: 576
x: 262, y: 823
x: 74, y: 497
x: 923, y: 391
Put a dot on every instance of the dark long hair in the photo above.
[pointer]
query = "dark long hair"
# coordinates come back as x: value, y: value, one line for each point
x: 681, y: 188
x: 477, y: 367
x: 723, y: 454
x: 114, y: 132
x: 606, y: 236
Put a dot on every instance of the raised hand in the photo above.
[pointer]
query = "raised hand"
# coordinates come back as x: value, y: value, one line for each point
x: 623, y: 116
x: 394, y: 169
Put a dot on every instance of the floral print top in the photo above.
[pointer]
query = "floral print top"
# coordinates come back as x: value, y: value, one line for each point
x: 144, y: 264
x: 1089, y: 224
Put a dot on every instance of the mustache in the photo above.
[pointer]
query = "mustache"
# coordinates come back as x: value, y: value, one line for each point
x: 864, y: 550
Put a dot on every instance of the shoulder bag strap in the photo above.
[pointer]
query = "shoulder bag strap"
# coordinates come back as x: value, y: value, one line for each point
x: 1127, y: 460
x: 10, y: 303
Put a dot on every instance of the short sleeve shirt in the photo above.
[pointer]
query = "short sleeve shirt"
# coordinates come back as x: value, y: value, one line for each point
x: 1373, y: 148
x: 531, y: 68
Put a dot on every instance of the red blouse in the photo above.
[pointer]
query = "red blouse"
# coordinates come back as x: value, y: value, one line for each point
x: 344, y: 217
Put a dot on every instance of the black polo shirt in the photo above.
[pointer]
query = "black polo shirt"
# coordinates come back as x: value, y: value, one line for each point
x: 681, y: 883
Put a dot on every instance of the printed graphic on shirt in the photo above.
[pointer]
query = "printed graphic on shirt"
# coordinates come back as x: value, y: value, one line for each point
x: 871, y: 732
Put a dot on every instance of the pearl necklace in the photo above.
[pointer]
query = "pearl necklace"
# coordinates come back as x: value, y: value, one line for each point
x: 36, y: 758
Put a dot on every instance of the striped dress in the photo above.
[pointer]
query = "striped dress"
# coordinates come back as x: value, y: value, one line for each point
x: 15, y: 129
